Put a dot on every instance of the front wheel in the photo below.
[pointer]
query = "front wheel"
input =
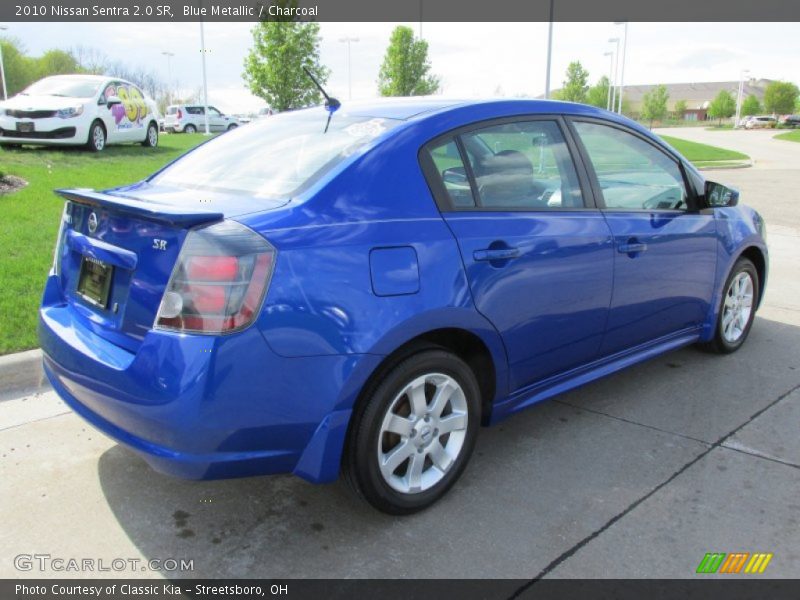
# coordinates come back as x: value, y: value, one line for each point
x: 737, y: 310
x: 151, y: 139
x: 411, y: 439
x: 232, y: 126
x: 97, y: 137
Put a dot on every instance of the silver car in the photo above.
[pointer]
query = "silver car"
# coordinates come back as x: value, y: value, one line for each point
x: 190, y: 118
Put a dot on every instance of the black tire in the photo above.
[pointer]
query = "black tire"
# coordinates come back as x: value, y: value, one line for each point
x: 151, y: 137
x: 232, y: 126
x: 360, y: 461
x: 720, y: 344
x: 190, y: 129
x: 96, y: 141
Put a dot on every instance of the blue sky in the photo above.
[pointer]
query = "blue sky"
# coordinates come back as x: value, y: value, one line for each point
x: 473, y: 59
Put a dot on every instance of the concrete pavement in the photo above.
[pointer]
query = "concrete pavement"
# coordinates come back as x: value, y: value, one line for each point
x: 638, y: 475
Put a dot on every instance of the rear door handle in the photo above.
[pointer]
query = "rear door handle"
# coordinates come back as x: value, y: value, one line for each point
x: 495, y: 254
x: 632, y: 247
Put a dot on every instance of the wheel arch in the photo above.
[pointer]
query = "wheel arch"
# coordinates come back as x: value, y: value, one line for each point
x: 756, y: 255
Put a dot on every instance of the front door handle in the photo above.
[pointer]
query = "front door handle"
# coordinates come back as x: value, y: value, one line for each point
x: 632, y: 247
x: 495, y: 254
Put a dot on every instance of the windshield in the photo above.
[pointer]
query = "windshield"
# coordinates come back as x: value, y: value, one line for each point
x: 75, y: 87
x: 274, y: 157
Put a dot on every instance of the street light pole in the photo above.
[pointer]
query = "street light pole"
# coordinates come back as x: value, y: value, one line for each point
x: 610, y: 75
x: 348, y: 40
x: 739, y: 97
x: 205, y: 80
x: 2, y: 68
x: 616, y: 72
x: 622, y: 71
x: 549, y: 52
x: 169, y: 56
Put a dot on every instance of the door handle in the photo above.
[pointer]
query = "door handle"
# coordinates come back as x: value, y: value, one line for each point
x: 632, y: 247
x: 495, y: 254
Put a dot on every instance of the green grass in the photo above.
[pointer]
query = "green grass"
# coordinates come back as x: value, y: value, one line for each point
x: 31, y: 215
x: 702, y: 153
x: 789, y: 136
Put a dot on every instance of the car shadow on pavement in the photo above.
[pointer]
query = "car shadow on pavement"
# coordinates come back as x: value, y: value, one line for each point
x: 538, y: 483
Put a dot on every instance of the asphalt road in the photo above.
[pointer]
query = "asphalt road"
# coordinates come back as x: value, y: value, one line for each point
x: 638, y: 475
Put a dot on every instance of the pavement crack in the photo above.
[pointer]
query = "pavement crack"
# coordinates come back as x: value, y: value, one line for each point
x: 580, y: 544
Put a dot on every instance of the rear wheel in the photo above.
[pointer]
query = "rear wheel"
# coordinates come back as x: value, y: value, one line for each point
x: 411, y: 439
x: 97, y: 137
x: 151, y: 139
x: 737, y: 310
x: 190, y: 129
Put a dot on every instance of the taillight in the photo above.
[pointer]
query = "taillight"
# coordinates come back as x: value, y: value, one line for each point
x: 180, y: 114
x: 219, y: 281
x: 66, y: 218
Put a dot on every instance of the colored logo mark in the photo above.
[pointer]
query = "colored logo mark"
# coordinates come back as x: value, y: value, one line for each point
x: 735, y: 562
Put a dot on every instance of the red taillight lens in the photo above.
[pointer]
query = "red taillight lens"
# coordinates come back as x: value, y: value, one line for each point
x: 219, y: 282
x: 180, y: 114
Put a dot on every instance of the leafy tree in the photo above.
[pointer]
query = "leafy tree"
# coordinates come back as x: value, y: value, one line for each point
x: 19, y: 68
x: 576, y: 84
x: 598, y: 93
x: 751, y: 106
x: 680, y: 109
x: 780, y: 97
x: 654, y: 104
x: 56, y: 62
x: 273, y: 69
x: 722, y: 107
x: 406, y: 70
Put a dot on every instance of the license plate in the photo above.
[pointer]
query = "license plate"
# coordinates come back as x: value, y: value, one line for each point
x: 25, y: 127
x: 94, y: 281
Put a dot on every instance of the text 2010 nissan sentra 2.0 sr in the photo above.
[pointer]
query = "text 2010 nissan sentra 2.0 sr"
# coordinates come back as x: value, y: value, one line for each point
x: 361, y: 290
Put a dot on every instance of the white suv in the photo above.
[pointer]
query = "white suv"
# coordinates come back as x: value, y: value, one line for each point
x: 190, y: 118
x: 760, y: 122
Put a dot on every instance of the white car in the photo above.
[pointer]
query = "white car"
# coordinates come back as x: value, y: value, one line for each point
x: 190, y: 118
x: 91, y: 110
x: 760, y: 122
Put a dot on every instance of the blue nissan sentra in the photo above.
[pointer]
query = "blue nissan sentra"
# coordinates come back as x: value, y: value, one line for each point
x: 359, y: 291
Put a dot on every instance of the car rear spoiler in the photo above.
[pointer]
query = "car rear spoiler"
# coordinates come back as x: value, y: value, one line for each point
x: 164, y: 213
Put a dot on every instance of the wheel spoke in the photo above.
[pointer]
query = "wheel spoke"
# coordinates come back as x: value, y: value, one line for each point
x: 452, y: 422
x: 416, y: 395
x: 440, y: 457
x: 396, y: 457
x: 441, y: 397
x: 399, y: 425
x: 414, y: 475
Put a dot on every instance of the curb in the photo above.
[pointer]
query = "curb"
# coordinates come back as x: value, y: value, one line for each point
x: 22, y: 372
x: 743, y: 165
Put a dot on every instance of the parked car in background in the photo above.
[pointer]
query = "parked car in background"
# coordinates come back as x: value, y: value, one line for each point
x: 760, y: 122
x: 190, y: 118
x: 264, y: 112
x: 360, y: 291
x: 89, y: 110
x: 791, y: 121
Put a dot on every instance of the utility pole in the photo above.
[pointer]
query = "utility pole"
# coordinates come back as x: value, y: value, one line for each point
x: 616, y: 72
x: 622, y: 72
x: 2, y: 68
x: 169, y: 56
x: 549, y: 52
x: 205, y: 80
x: 348, y: 40
x: 610, y: 75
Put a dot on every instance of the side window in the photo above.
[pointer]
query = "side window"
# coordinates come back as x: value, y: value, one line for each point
x: 633, y: 174
x: 522, y: 165
x: 213, y: 112
x: 447, y: 160
x: 194, y: 110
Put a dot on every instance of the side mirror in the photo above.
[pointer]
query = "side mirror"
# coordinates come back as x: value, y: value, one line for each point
x: 455, y: 175
x: 720, y: 195
x: 112, y: 100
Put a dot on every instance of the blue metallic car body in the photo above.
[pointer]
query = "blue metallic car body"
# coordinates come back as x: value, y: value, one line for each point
x: 366, y: 264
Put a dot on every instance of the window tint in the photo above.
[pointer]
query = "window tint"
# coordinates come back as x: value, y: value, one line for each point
x: 454, y: 176
x: 213, y: 111
x: 171, y: 110
x: 522, y: 165
x: 632, y: 173
x: 195, y: 110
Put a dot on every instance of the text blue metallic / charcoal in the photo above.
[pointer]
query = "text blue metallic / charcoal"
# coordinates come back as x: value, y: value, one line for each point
x: 364, y: 263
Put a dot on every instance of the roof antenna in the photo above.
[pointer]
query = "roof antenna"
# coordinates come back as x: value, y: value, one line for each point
x: 331, y: 104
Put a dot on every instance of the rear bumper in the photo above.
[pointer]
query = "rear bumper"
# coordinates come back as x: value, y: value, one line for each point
x: 203, y: 407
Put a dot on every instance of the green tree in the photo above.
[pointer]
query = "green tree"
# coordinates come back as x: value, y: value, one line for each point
x: 598, y: 93
x: 680, y: 109
x: 273, y: 68
x: 751, y: 106
x: 19, y: 68
x: 576, y: 84
x: 780, y: 97
x: 406, y: 70
x: 56, y: 62
x: 722, y: 106
x: 654, y: 104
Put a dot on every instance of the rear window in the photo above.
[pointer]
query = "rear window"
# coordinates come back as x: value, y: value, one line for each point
x: 274, y: 157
